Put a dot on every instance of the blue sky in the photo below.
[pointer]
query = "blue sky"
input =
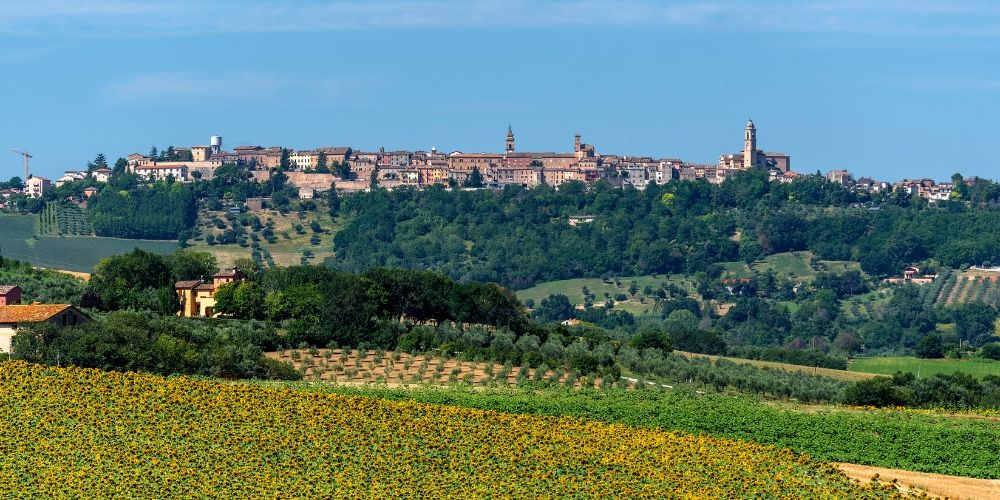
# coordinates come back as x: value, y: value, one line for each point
x: 888, y: 89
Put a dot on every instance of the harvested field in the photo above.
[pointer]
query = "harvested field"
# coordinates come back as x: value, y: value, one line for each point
x: 933, y: 484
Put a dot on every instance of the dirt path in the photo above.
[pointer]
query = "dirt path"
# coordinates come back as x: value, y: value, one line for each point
x: 934, y: 484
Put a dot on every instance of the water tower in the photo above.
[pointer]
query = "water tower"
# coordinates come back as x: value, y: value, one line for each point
x: 216, y: 143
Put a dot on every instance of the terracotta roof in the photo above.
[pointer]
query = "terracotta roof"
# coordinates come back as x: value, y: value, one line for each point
x: 187, y: 284
x: 33, y: 313
x: 228, y: 273
x: 5, y: 289
x: 205, y: 286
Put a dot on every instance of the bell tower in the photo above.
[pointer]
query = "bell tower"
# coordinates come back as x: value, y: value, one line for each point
x: 510, y: 139
x: 750, y: 145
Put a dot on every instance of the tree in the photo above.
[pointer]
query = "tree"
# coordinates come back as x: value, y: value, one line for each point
x: 991, y: 351
x: 373, y: 180
x: 121, y: 165
x: 333, y: 200
x: 285, y: 163
x: 16, y: 182
x: 556, y: 307
x: 132, y: 281
x: 343, y: 169
x: 191, y: 265
x: 99, y: 162
x: 475, y: 179
x: 930, y: 346
x: 154, y: 153
x: 321, y: 163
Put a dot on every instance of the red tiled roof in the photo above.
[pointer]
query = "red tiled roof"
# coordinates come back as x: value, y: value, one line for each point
x: 33, y: 313
x: 187, y: 284
x: 5, y: 289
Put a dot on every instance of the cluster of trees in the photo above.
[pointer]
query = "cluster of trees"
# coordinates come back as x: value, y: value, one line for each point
x: 159, y: 211
x: 39, y: 284
x: 519, y: 237
x: 322, y: 306
x: 956, y: 391
x: 131, y: 341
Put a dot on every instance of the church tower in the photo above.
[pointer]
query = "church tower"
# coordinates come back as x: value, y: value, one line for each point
x: 510, y: 139
x: 750, y: 145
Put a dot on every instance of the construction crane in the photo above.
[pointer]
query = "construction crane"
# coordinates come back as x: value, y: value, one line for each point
x: 26, y: 155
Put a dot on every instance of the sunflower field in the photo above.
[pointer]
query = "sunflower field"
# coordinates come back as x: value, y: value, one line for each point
x: 70, y: 432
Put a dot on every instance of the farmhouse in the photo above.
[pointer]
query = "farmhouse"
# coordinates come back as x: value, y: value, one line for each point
x: 576, y: 220
x: 911, y: 274
x: 13, y: 316
x: 198, y: 298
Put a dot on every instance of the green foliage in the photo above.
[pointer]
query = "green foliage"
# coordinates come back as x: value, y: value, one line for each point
x: 41, y: 285
x: 138, y: 280
x: 554, y: 309
x: 955, y: 391
x: 159, y: 211
x: 130, y: 341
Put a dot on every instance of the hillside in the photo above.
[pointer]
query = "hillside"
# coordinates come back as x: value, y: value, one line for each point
x: 277, y: 238
x: 19, y: 240
x: 797, y: 265
x: 610, y: 288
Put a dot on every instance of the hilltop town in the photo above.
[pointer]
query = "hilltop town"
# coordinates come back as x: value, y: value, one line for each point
x: 347, y: 169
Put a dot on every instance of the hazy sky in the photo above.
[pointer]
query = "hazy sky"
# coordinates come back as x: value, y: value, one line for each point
x: 887, y: 89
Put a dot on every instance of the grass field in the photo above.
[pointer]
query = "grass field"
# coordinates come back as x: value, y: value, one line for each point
x: 71, y: 253
x: 574, y: 290
x: 792, y: 265
x: 289, y: 245
x: 129, y: 434
x: 850, y: 376
x: 926, y: 367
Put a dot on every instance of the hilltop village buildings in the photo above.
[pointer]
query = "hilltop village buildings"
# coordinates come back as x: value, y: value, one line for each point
x: 313, y: 171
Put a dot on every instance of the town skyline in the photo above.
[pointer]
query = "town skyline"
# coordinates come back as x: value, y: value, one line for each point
x: 839, y: 85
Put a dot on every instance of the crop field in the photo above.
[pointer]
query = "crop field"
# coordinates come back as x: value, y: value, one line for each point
x: 352, y: 366
x: 127, y: 434
x: 71, y: 253
x: 63, y: 219
x: 603, y: 290
x: 292, y: 237
x: 899, y: 439
x: 926, y: 367
x: 791, y: 265
x: 971, y: 285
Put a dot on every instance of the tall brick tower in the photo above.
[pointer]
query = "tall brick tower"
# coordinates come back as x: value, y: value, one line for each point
x: 750, y: 145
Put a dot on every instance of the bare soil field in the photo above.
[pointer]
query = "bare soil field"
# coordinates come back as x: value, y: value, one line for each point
x: 350, y: 366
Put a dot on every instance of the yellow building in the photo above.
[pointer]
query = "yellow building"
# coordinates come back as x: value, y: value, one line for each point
x: 198, y: 298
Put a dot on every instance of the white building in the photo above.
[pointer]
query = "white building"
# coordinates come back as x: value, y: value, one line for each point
x: 36, y: 186
x: 162, y: 172
x: 303, y: 160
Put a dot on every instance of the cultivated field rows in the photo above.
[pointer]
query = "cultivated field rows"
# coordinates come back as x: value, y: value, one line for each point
x: 399, y: 368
